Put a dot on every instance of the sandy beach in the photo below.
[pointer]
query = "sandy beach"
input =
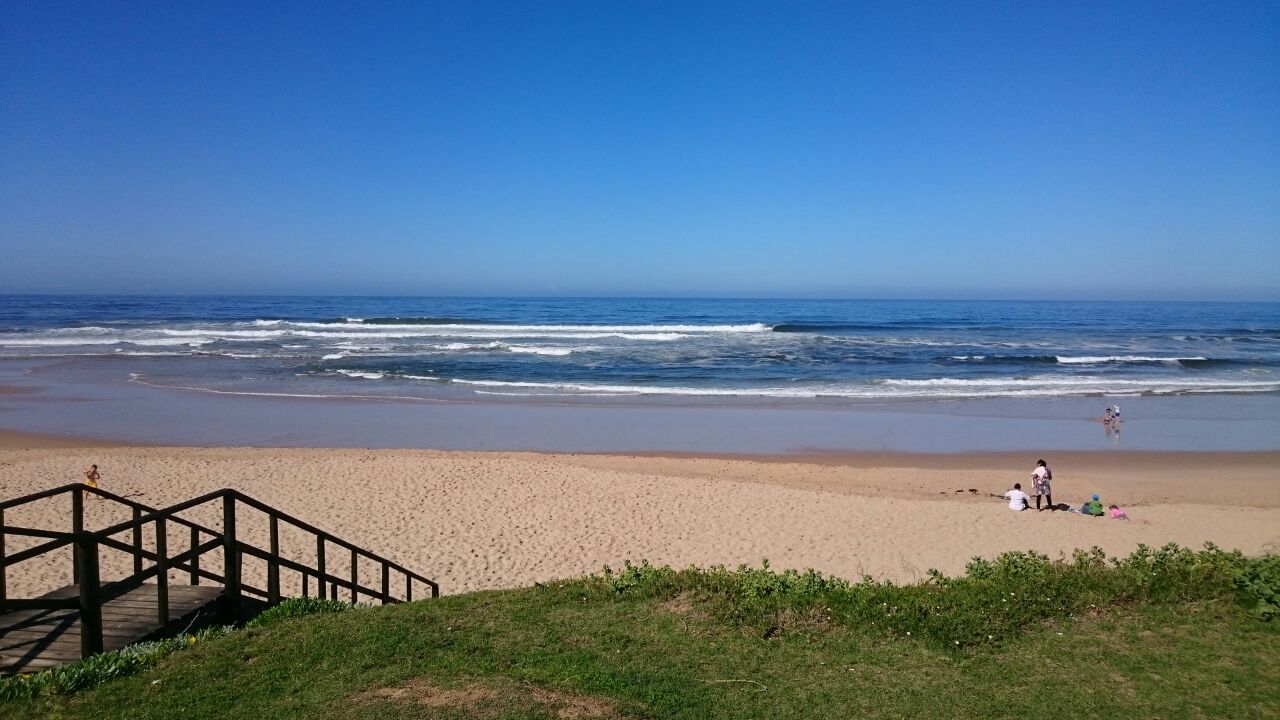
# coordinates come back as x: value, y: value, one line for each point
x: 480, y: 520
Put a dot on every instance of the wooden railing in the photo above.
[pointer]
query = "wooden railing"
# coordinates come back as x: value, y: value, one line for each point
x: 93, y: 593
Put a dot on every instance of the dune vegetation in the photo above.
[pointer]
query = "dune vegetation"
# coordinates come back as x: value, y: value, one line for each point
x: 1164, y: 633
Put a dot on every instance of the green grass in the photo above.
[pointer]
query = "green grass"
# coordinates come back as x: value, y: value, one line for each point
x: 1162, y: 634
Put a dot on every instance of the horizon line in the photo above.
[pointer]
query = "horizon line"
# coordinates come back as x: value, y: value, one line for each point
x: 773, y: 298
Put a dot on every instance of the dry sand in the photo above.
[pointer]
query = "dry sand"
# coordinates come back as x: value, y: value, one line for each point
x: 476, y: 521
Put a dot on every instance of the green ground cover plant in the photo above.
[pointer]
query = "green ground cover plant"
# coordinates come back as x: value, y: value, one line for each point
x: 298, y: 607
x: 93, y: 671
x: 1163, y: 633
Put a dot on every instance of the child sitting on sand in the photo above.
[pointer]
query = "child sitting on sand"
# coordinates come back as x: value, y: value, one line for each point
x: 1018, y: 500
x: 1092, y: 507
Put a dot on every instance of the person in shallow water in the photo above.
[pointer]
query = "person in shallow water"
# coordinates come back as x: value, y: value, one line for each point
x: 1040, y: 478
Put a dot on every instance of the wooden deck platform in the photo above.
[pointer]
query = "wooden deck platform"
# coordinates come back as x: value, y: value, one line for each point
x: 32, y: 640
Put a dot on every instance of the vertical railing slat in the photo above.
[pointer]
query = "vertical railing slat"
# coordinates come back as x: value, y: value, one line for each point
x: 195, y: 556
x: 273, y: 564
x: 355, y: 577
x: 77, y: 527
x: 4, y: 571
x: 162, y: 572
x: 137, y: 541
x: 320, y: 567
x: 86, y: 558
x: 230, y: 556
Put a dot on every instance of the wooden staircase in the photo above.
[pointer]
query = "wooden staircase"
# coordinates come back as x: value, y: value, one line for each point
x: 91, y: 616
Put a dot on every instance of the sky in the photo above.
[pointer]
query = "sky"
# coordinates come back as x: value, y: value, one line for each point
x: 1117, y: 150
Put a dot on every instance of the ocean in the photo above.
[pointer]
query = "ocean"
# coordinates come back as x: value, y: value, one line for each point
x: 594, y: 350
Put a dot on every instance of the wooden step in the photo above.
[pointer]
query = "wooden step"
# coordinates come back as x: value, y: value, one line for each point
x: 32, y: 640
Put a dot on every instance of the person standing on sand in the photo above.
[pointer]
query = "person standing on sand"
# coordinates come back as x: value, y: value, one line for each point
x: 91, y: 476
x: 1040, y: 478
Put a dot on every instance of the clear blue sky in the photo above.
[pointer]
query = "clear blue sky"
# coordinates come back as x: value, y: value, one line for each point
x: 1021, y: 149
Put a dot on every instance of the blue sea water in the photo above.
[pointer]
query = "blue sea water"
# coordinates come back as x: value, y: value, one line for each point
x: 826, y: 351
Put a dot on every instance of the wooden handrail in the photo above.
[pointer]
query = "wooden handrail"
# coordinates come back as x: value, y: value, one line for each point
x: 94, y: 594
x: 151, y: 514
x: 35, y: 532
x: 72, y: 487
x: 40, y: 549
x: 23, y: 500
x: 329, y: 537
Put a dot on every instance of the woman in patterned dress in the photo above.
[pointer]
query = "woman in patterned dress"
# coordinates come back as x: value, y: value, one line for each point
x: 1040, y: 478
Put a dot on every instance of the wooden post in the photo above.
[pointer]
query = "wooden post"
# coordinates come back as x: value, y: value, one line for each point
x: 320, y: 567
x: 386, y: 583
x: 355, y: 577
x: 77, y: 527
x: 306, y: 585
x: 195, y: 556
x: 230, y: 557
x: 86, y: 557
x: 162, y: 572
x: 408, y: 587
x: 4, y: 590
x: 137, y: 541
x: 273, y: 564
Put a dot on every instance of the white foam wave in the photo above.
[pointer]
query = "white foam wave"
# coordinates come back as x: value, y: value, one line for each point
x: 222, y: 353
x: 361, y: 374
x: 278, y: 330
x: 224, y: 334
x: 942, y: 388
x: 534, y: 350
x: 100, y: 340
x: 454, y: 346
x: 431, y: 331
x: 1100, y: 359
x: 450, y: 328
x: 192, y: 342
x: 59, y: 342
x: 556, y: 351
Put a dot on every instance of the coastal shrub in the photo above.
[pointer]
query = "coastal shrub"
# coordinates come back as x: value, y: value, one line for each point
x: 993, y: 601
x: 1258, y: 580
x: 644, y: 576
x: 298, y: 607
x: 93, y: 671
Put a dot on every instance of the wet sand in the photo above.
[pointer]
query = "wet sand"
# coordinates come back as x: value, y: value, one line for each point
x: 481, y: 520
